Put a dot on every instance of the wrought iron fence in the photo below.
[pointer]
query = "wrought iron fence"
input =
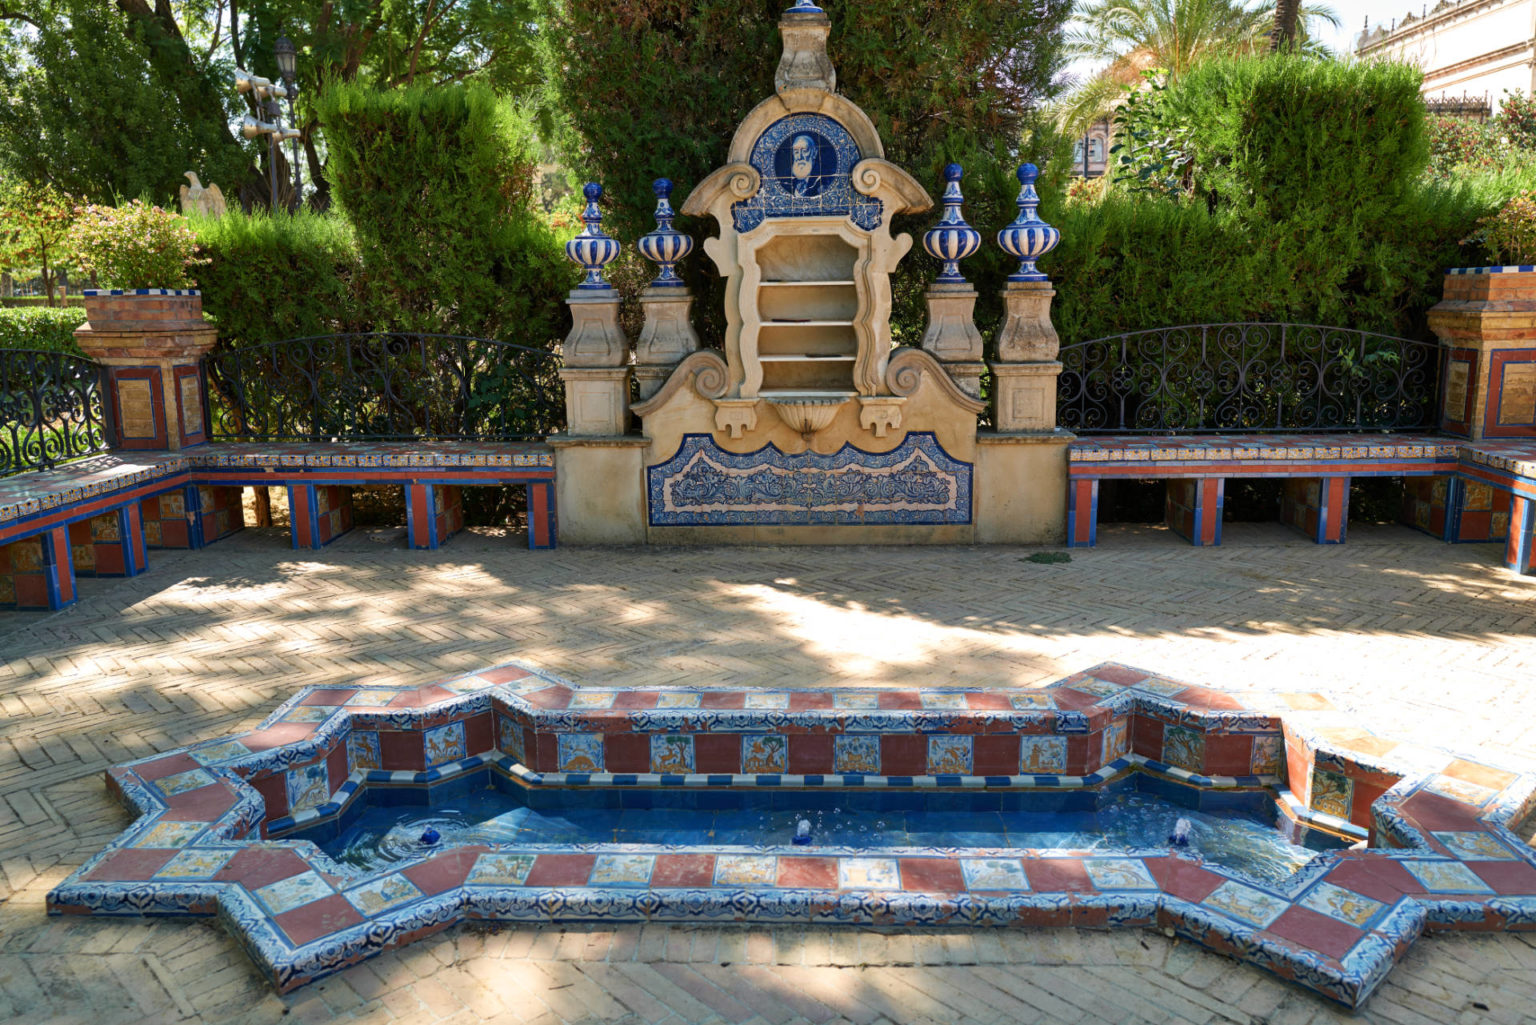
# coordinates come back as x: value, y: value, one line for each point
x: 1248, y: 377
x: 50, y: 409
x: 384, y: 386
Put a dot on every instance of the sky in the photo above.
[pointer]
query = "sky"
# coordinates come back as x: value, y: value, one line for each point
x: 1352, y: 15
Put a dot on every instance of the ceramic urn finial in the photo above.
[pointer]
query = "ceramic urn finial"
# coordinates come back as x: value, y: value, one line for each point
x: 665, y: 246
x: 952, y: 240
x: 593, y: 249
x: 1028, y: 238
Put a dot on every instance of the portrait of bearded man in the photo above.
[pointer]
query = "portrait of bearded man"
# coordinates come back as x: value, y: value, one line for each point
x: 803, y: 150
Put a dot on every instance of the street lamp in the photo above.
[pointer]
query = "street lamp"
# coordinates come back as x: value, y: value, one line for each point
x: 266, y: 94
x: 287, y: 66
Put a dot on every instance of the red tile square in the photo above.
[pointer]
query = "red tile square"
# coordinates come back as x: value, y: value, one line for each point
x: 431, y: 694
x: 1316, y: 932
x: 444, y: 871
x: 627, y: 752
x: 1183, y: 879
x: 1229, y: 754
x: 717, y: 752
x: 318, y: 918
x: 1073, y: 700
x: 1435, y: 812
x: 898, y: 700
x: 1123, y: 675
x: 1365, y: 795
x: 401, y: 750
x: 277, y: 736
x: 109, y: 560
x: 1147, y: 737
x: 1506, y: 876
x: 130, y: 864
x: 548, y: 697
x: 336, y: 765
x: 903, y: 754
x: 503, y: 674
x: 808, y: 873
x: 545, y: 752
x: 274, y: 792
x: 801, y: 700
x: 201, y: 805
x: 1083, y: 753
x: 255, y: 867
x: 810, y: 753
x: 1375, y: 877
x: 932, y: 875
x: 1058, y: 874
x: 170, y: 765
x: 722, y: 699
x: 328, y: 696
x: 479, y: 733
x: 1204, y: 697
x: 635, y: 699
x: 995, y: 754
x: 988, y: 702
x: 683, y: 869
x: 561, y: 870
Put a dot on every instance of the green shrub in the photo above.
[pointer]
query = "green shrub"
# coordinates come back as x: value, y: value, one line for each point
x: 136, y: 245
x: 1516, y: 120
x: 41, y: 328
x: 1510, y: 234
x: 267, y: 278
x: 1457, y: 145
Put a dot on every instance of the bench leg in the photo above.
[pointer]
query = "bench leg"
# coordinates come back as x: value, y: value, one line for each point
x: 1520, y: 549
x: 541, y: 515
x: 1192, y: 508
x: 1478, y: 512
x: 421, y: 516
x: 134, y: 559
x: 1083, y: 513
x: 1318, y: 507
x: 38, y: 572
x: 1428, y: 503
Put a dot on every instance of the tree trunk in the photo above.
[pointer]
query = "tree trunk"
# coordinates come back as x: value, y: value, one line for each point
x: 1283, y: 35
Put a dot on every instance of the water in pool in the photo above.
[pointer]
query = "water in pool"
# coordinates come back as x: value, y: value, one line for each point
x: 1239, y: 833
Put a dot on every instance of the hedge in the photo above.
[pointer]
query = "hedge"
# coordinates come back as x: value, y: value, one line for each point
x: 48, y: 328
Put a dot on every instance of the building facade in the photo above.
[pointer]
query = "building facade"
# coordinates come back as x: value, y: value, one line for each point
x: 1475, y: 49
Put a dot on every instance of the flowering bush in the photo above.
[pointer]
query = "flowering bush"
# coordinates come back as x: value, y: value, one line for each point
x: 1517, y: 119
x: 1510, y: 234
x: 1458, y: 142
x: 134, y: 246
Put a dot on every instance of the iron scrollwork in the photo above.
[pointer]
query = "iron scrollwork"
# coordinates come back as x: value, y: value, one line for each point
x: 50, y: 409
x: 384, y: 386
x: 1248, y: 377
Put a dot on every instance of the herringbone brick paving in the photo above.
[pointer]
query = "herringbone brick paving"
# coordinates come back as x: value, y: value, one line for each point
x: 1427, y: 641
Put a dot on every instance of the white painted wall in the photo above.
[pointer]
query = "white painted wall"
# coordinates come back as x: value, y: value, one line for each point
x: 1460, y: 48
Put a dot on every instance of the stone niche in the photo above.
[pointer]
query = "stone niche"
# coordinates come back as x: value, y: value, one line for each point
x: 811, y: 427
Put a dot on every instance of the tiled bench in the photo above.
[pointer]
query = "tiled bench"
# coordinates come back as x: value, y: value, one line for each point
x: 100, y: 515
x: 1444, y: 496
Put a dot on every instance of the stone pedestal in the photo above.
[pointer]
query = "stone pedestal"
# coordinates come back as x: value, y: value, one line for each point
x: 1027, y: 334
x: 1486, y: 324
x: 150, y: 342
x: 951, y: 334
x: 596, y: 400
x: 666, y: 339
x: 596, y: 339
x: 1024, y: 396
x: 600, y: 489
x: 1021, y: 488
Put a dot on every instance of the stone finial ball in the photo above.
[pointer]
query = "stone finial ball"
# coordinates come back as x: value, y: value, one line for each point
x: 662, y: 187
x: 593, y: 191
x: 1027, y: 173
x: 952, y: 172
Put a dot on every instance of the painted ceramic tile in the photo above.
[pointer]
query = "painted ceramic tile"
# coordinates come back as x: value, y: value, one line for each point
x: 309, y: 786
x: 84, y: 557
x: 1163, y: 688
x: 868, y: 874
x: 1119, y: 874
x: 672, y: 752
x: 172, y: 506
x: 994, y: 874
x: 1023, y: 701
x: 381, y: 894
x: 500, y: 870
x: 1268, y: 756
x: 1098, y: 688
x: 445, y: 744
x: 949, y: 753
x: 856, y: 754
x: 1332, y: 793
x: 1184, y: 748
x: 677, y: 699
x: 1252, y: 906
x: 509, y: 738
x: 363, y: 750
x: 746, y: 870
x: 1446, y: 877
x: 180, y: 783
x: 309, y: 713
x: 942, y: 701
x: 295, y: 891
x: 855, y: 699
x: 1460, y: 790
x: 767, y: 700
x: 1344, y: 905
x: 580, y: 752
x: 105, y: 528
x: 467, y: 685
x: 152, y: 533
x: 215, y: 753
x: 371, y: 698
x: 1044, y: 755
x: 170, y: 834
x: 195, y: 864
x: 1117, y: 741
x: 1475, y: 846
x: 764, y: 753
x: 592, y: 699
x: 623, y: 869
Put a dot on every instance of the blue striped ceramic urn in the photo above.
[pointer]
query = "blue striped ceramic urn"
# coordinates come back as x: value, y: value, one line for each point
x: 951, y: 240
x: 665, y: 246
x: 1028, y: 238
x: 592, y: 249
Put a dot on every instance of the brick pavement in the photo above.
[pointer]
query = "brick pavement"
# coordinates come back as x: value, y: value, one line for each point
x: 1427, y: 641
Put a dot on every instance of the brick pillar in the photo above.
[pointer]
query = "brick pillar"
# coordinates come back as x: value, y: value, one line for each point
x: 1520, y: 550
x: 1486, y: 324
x: 1192, y: 508
x: 149, y: 341
x: 1317, y: 506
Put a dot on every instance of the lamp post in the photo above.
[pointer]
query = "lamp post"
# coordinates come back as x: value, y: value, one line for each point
x: 287, y: 66
x: 266, y: 94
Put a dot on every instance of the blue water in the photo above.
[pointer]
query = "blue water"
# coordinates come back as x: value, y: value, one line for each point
x: 1237, y: 830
